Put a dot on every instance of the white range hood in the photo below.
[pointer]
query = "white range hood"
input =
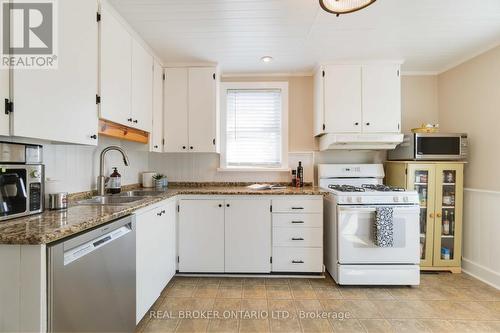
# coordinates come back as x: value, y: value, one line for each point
x: 359, y: 141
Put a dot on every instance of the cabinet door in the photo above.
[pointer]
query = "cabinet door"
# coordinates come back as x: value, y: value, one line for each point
x: 421, y: 178
x: 248, y: 236
x: 202, y: 109
x: 167, y: 245
x: 59, y: 104
x: 116, y: 62
x: 342, y: 95
x: 319, y: 102
x: 148, y: 260
x: 4, y: 94
x: 448, y: 225
x: 142, y: 88
x: 381, y: 99
x: 175, y: 116
x: 201, y: 236
x: 156, y: 137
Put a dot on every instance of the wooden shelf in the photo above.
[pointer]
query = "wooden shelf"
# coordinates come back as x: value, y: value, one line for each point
x: 114, y: 130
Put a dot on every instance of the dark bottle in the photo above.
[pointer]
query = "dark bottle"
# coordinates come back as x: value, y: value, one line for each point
x: 294, y: 178
x: 300, y: 175
x: 115, y: 182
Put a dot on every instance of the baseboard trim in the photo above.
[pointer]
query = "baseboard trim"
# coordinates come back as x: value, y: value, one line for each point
x: 481, y: 273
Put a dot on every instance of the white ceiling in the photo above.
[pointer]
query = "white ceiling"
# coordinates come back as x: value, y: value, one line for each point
x: 430, y: 35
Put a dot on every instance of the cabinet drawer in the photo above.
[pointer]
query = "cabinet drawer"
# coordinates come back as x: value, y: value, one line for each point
x: 298, y: 220
x: 297, y: 259
x: 297, y: 206
x: 298, y: 237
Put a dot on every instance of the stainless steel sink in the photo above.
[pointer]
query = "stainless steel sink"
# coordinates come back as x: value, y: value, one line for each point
x: 140, y: 193
x: 110, y: 200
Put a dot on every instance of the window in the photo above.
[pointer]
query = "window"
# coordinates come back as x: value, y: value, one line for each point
x: 254, y: 126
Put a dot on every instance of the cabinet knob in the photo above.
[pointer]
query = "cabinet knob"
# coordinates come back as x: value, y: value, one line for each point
x: 431, y: 215
x: 129, y: 119
x: 191, y: 147
x: 136, y: 121
x: 227, y: 205
x: 356, y: 124
x: 94, y: 136
x: 156, y: 146
x: 220, y: 205
x: 438, y: 215
x: 367, y: 124
x: 183, y: 147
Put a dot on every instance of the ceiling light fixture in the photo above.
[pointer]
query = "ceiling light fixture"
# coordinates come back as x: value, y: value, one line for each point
x: 266, y: 59
x: 338, y: 7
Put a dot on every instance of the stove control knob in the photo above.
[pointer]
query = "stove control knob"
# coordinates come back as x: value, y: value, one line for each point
x: 359, y: 200
x: 405, y: 199
x: 349, y: 199
x: 396, y: 199
x: 35, y: 174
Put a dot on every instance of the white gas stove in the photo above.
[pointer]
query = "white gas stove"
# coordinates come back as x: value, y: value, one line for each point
x: 351, y: 253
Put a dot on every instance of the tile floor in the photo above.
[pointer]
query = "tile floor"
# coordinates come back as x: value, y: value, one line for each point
x: 443, y: 302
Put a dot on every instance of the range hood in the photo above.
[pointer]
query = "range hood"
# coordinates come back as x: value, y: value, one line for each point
x: 360, y: 141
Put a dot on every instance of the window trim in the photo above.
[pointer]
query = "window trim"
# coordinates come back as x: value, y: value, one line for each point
x: 283, y: 86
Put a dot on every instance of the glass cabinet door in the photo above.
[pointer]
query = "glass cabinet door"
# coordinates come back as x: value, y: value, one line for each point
x: 448, y: 224
x: 421, y: 178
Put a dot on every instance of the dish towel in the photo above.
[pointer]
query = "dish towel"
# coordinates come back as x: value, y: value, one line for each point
x: 383, y: 233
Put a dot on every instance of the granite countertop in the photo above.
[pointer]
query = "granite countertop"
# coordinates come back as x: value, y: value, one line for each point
x: 51, y: 226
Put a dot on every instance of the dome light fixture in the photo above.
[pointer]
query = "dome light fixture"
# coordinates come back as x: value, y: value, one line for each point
x: 339, y: 7
x: 266, y: 59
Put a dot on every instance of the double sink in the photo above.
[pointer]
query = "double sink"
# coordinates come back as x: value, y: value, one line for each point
x: 121, y: 199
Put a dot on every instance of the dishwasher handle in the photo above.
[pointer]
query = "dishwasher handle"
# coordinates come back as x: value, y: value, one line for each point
x: 88, y: 247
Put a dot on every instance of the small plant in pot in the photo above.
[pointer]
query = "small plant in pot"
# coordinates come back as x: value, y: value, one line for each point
x: 160, y: 181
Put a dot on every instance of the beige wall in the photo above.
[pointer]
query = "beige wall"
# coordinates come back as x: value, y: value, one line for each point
x: 419, y: 101
x: 469, y: 101
x: 300, y: 109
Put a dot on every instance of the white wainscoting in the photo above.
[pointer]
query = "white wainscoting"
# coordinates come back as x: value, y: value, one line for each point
x: 481, y: 235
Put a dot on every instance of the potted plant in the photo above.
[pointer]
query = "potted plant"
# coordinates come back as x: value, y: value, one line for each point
x: 160, y: 181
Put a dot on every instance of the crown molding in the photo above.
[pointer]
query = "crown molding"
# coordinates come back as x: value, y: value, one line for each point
x: 283, y: 74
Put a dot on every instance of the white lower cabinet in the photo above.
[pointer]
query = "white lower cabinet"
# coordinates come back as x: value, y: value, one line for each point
x: 155, y: 253
x: 201, y: 236
x: 298, y: 234
x: 247, y: 236
x: 242, y: 234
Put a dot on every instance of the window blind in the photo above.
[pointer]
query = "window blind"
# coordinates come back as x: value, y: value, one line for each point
x: 253, y: 128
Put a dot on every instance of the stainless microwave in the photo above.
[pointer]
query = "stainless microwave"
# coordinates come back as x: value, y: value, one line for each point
x: 431, y: 146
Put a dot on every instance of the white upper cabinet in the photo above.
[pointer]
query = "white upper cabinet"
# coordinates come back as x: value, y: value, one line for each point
x: 142, y: 88
x: 202, y: 109
x: 4, y: 98
x: 126, y: 76
x: 175, y: 116
x: 116, y: 76
x: 156, y: 137
x: 381, y: 98
x: 60, y: 104
x: 357, y: 98
x: 342, y: 96
x: 190, y: 117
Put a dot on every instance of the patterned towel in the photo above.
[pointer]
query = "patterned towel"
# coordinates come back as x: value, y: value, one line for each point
x: 383, y: 227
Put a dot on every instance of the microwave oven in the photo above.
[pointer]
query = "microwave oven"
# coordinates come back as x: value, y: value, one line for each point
x: 431, y: 147
x: 21, y: 180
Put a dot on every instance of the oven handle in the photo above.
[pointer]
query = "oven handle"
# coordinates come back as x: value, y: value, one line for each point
x: 373, y: 209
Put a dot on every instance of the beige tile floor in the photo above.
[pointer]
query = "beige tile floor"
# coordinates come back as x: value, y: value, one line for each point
x: 443, y: 302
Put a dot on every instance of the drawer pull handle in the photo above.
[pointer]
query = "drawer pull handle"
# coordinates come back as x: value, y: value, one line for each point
x: 297, y: 222
x: 297, y: 262
x: 295, y: 208
x: 297, y: 239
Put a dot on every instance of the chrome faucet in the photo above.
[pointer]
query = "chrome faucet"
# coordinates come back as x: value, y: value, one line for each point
x: 101, y: 180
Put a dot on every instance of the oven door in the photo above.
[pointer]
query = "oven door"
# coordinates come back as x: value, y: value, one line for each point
x: 13, y: 192
x: 356, y: 237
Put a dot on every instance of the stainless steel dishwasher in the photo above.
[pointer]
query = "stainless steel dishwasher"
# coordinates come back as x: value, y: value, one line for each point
x: 91, y: 280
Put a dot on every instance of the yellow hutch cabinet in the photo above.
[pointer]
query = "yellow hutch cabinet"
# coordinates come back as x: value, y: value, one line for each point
x: 440, y: 190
